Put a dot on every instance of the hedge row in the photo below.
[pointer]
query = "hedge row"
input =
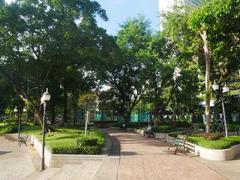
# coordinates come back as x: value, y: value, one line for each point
x: 77, y: 150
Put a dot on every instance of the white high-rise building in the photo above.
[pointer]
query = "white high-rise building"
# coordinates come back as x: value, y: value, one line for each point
x: 166, y: 5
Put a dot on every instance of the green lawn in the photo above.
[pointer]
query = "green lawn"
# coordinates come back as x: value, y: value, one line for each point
x: 222, y: 143
x: 63, y: 140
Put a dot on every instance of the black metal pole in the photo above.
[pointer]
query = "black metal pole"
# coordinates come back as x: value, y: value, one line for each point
x: 27, y: 113
x: 19, y: 125
x: 43, y: 136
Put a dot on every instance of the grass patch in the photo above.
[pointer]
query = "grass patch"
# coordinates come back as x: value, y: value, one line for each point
x: 222, y: 143
x: 63, y: 140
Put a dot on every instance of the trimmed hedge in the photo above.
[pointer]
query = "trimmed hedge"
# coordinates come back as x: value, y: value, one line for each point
x: 86, y: 142
x: 221, y: 143
x: 165, y: 129
x: 77, y: 150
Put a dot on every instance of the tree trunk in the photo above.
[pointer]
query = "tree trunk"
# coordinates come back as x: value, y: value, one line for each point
x: 127, y: 118
x: 23, y: 95
x: 65, y: 105
x: 27, y: 100
x: 74, y: 115
x: 74, y: 100
x: 102, y: 115
x: 207, y: 81
x: 53, y: 106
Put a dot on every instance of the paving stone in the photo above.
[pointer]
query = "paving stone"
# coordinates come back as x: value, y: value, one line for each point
x: 149, y: 159
x: 15, y: 162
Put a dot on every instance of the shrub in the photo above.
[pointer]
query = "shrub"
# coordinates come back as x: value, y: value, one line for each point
x: 233, y: 127
x: 165, y: 129
x: 9, y: 128
x: 213, y: 136
x: 86, y: 142
x: 181, y: 124
x: 77, y: 150
x: 137, y: 124
x: 222, y: 143
x: 210, y: 136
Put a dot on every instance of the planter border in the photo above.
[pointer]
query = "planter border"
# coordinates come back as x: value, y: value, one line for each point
x: 209, y: 154
x: 58, y: 160
x: 217, y: 154
x: 156, y: 134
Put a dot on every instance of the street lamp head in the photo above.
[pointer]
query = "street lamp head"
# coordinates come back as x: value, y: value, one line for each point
x: 15, y: 109
x: 225, y: 89
x: 215, y: 86
x: 25, y: 109
x: 46, y: 96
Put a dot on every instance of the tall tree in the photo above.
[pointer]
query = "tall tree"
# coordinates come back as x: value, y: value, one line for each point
x: 215, y: 27
x: 37, y: 37
x: 126, y: 75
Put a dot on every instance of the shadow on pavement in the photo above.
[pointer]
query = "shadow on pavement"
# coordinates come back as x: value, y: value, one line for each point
x: 10, y: 137
x: 115, y: 150
x: 4, y: 152
x: 128, y: 153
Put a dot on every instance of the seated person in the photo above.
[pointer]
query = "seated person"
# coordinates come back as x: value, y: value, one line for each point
x: 149, y: 131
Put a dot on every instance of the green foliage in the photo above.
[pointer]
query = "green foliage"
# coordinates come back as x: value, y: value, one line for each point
x: 233, y: 127
x: 48, y: 43
x: 8, y: 128
x: 165, y: 129
x: 31, y: 129
x: 63, y: 140
x: 86, y: 142
x: 182, y: 124
x: 137, y: 125
x: 128, y: 77
x: 77, y: 150
x: 87, y: 101
x: 210, y: 136
x: 222, y: 143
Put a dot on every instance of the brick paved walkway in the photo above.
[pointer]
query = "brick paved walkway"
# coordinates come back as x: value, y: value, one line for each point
x: 149, y: 159
x: 15, y: 161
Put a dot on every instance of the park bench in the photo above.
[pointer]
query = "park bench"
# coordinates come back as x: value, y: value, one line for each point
x: 22, y: 140
x: 148, y: 132
x: 179, y: 143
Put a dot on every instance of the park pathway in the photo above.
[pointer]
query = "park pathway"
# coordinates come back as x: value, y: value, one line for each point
x: 15, y: 162
x: 149, y: 159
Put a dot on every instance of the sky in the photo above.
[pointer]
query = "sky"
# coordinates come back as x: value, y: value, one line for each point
x: 118, y: 11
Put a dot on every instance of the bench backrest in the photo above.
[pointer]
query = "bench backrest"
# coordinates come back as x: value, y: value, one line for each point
x: 182, y: 137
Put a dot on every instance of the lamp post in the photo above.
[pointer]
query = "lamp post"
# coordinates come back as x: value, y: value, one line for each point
x: 26, y: 111
x: 225, y: 89
x: 44, y: 99
x: 19, y: 121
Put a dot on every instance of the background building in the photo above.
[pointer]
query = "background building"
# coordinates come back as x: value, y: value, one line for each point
x: 166, y: 5
x: 193, y: 2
